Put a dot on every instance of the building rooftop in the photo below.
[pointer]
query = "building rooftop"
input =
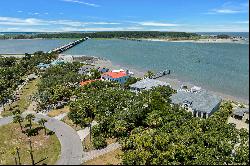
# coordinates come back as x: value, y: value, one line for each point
x: 147, y: 84
x: 57, y: 62
x: 43, y: 65
x: 83, y: 83
x: 202, y: 101
x: 103, y: 69
x: 85, y: 69
x: 115, y: 74
x: 241, y: 111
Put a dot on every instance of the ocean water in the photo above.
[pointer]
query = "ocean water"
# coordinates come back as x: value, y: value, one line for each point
x: 222, y: 67
x: 29, y: 46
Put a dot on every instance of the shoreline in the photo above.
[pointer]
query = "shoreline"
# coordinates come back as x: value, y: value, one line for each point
x: 231, y: 41
x: 200, y: 41
x: 174, y: 82
x: 12, y: 55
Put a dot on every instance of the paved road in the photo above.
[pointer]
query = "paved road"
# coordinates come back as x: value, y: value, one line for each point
x: 71, y: 146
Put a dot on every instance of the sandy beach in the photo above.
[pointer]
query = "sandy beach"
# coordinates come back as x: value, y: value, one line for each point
x: 239, y: 41
x: 175, y: 83
x: 12, y: 55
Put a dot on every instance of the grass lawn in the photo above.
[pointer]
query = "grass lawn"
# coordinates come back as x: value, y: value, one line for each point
x: 107, y: 159
x: 57, y: 112
x: 43, y: 146
x: 24, y: 101
x: 70, y: 123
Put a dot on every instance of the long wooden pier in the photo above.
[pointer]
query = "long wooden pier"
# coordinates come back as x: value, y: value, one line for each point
x: 68, y: 46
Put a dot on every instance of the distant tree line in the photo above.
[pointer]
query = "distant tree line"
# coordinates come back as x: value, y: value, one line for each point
x: 223, y: 36
x: 113, y: 34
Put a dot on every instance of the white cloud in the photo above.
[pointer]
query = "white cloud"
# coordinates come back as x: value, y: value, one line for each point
x: 81, y: 2
x: 104, y: 23
x: 226, y: 11
x: 33, y: 22
x: 230, y: 8
x: 242, y: 22
x: 19, y: 11
x: 21, y: 22
x: 157, y: 24
x: 44, y: 25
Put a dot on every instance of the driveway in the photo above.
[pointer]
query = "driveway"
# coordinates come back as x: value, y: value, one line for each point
x: 71, y: 145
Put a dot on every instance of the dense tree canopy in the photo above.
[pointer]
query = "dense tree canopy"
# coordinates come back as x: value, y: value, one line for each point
x: 113, y: 34
x: 153, y: 131
x: 60, y: 82
x: 13, y: 70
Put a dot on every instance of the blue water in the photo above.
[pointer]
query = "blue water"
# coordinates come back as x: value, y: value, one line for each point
x: 29, y: 46
x: 222, y: 67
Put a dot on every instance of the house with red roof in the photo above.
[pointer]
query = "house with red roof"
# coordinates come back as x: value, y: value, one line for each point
x: 120, y: 76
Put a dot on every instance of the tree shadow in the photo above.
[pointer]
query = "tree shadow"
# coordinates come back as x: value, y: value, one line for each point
x: 41, y: 161
x: 51, y: 133
x: 32, y: 131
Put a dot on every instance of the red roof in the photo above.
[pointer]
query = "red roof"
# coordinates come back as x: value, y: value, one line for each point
x: 115, y: 74
x: 87, y: 82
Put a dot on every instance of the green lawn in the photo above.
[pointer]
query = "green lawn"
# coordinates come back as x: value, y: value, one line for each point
x: 24, y: 101
x: 44, y: 146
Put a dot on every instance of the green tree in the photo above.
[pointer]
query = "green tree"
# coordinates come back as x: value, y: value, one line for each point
x: 30, y: 118
x: 18, y: 119
x: 42, y: 123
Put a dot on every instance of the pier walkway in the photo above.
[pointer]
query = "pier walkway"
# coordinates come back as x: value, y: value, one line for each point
x: 161, y: 74
x: 68, y: 46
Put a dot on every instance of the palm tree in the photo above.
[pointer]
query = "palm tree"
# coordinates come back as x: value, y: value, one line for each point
x: 31, y: 152
x: 16, y: 112
x: 18, y: 119
x: 30, y: 117
x: 42, y: 122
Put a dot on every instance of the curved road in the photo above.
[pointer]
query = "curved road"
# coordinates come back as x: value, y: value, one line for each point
x: 71, y: 145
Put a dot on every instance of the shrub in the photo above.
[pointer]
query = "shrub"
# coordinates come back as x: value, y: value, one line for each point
x: 99, y: 142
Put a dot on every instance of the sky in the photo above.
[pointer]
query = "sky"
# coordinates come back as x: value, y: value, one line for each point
x: 124, y: 15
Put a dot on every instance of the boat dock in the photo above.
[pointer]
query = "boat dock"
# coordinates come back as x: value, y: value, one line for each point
x: 68, y: 46
x: 161, y: 74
